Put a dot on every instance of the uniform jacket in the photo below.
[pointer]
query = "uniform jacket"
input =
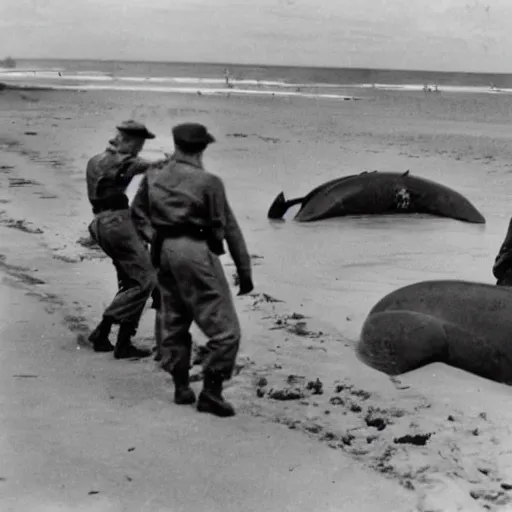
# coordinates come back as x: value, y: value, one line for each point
x: 109, y: 173
x: 182, y: 193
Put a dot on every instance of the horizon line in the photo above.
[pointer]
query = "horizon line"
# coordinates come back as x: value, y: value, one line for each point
x: 227, y: 64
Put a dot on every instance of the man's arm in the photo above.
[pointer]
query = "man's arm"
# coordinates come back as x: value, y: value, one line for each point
x: 140, y: 211
x: 236, y: 244
x: 132, y: 166
x: 221, y: 212
x: 129, y: 168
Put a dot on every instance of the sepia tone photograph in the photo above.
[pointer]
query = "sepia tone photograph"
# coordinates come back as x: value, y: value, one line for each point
x: 255, y: 256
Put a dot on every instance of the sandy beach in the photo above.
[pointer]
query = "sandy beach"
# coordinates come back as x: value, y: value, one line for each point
x: 342, y: 436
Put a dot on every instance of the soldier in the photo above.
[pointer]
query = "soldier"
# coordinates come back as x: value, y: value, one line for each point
x: 190, y: 216
x: 155, y: 296
x: 502, y: 268
x: 108, y: 175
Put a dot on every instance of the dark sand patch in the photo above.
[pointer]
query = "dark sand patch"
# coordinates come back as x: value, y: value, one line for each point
x: 21, y: 225
x: 21, y: 182
x: 273, y: 140
x: 237, y: 135
x: 20, y: 273
x: 77, y: 323
x: 54, y: 158
x: 263, y: 298
x: 240, y: 135
x: 294, y: 324
x: 66, y: 259
x: 386, y: 439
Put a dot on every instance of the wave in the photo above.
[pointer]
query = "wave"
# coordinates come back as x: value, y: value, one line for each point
x: 441, y: 89
x: 61, y: 75
x: 208, y: 85
x: 179, y: 90
x: 29, y: 71
x: 52, y: 74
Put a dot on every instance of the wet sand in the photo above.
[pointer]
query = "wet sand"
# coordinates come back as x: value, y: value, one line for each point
x: 325, y: 277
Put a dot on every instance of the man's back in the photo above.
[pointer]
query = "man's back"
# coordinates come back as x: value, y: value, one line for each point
x: 180, y: 194
x: 183, y: 195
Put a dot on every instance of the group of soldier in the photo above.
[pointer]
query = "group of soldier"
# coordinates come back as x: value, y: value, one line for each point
x: 166, y: 245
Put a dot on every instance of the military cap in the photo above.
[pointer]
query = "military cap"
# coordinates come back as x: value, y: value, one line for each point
x: 135, y: 128
x: 192, y: 133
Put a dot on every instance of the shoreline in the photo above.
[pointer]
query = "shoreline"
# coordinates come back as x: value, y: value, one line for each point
x: 172, y: 90
x: 286, y: 346
x: 239, y: 87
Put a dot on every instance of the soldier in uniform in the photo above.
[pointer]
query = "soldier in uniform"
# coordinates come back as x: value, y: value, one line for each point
x: 108, y: 175
x: 156, y: 302
x: 190, y: 218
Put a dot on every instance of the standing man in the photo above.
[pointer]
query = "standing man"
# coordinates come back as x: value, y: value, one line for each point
x: 190, y: 215
x: 155, y: 296
x: 502, y: 268
x: 108, y: 175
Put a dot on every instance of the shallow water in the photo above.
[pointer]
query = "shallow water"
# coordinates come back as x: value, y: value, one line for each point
x: 340, y: 268
x: 337, y: 269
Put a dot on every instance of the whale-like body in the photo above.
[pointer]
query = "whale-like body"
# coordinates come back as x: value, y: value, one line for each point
x: 463, y: 324
x: 378, y: 193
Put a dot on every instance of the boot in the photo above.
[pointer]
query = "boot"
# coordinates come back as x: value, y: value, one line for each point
x: 210, y: 398
x: 124, y: 348
x: 183, y: 393
x: 99, y: 337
